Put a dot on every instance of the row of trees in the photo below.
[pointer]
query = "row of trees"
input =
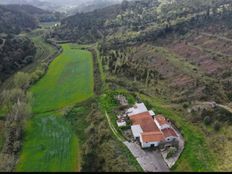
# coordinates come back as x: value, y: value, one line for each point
x: 18, y: 103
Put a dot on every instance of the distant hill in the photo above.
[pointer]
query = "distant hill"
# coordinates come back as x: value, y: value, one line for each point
x: 37, y: 3
x: 137, y: 18
x: 39, y: 14
x: 67, y: 6
x: 89, y: 6
x: 14, y: 21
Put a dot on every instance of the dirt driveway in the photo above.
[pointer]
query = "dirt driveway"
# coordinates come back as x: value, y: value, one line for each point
x: 150, y: 161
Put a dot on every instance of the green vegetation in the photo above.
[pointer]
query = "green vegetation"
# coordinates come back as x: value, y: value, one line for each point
x: 100, y: 150
x: 44, y: 50
x: 69, y: 80
x: 15, y: 21
x: 110, y: 107
x: 140, y: 21
x: 17, y: 52
x: 171, y: 152
x: 1, y: 134
x: 49, y: 145
x: 17, y: 102
x: 2, y: 112
x: 196, y: 155
x: 93, y: 129
x: 217, y: 126
x: 100, y: 66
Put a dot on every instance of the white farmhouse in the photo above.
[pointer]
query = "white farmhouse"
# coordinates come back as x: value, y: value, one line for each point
x: 151, y: 139
x: 150, y: 132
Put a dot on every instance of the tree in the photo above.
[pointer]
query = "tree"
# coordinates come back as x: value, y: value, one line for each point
x: 9, y: 97
x: 217, y: 126
x: 207, y: 120
x: 22, y: 80
x: 20, y: 111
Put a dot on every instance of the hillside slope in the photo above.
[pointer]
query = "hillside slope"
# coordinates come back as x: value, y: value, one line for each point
x: 15, y: 53
x: 14, y: 22
x: 139, y: 20
x: 179, y: 51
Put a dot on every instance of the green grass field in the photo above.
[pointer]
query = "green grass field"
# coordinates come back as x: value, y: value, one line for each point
x: 50, y: 144
x: 69, y: 80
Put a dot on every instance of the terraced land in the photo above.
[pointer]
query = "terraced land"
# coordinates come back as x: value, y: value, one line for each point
x: 50, y: 144
x: 196, y: 67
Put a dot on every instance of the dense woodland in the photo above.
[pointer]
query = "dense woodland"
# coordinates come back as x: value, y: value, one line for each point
x: 17, y: 18
x: 13, y: 22
x: 139, y: 20
x: 15, y: 53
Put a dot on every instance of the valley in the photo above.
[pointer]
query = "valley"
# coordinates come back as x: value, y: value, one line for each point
x: 173, y: 56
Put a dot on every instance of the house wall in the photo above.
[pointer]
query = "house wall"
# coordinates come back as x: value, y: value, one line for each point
x: 136, y: 131
x: 149, y: 144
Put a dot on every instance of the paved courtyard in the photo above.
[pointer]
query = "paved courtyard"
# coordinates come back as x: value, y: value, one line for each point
x: 150, y: 161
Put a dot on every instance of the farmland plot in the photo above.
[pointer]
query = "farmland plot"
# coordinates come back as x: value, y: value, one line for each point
x: 50, y: 145
x: 69, y: 80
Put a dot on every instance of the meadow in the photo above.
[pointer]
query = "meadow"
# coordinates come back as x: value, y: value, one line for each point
x: 50, y: 144
x: 69, y: 80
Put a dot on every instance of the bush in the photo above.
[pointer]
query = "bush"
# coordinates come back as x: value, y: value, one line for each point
x: 217, y: 126
x: 22, y: 80
x: 171, y: 152
x: 207, y: 120
x: 185, y: 106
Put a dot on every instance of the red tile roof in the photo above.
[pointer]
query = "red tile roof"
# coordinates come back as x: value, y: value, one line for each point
x: 152, y: 136
x: 161, y: 120
x: 168, y: 132
x: 145, y: 121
